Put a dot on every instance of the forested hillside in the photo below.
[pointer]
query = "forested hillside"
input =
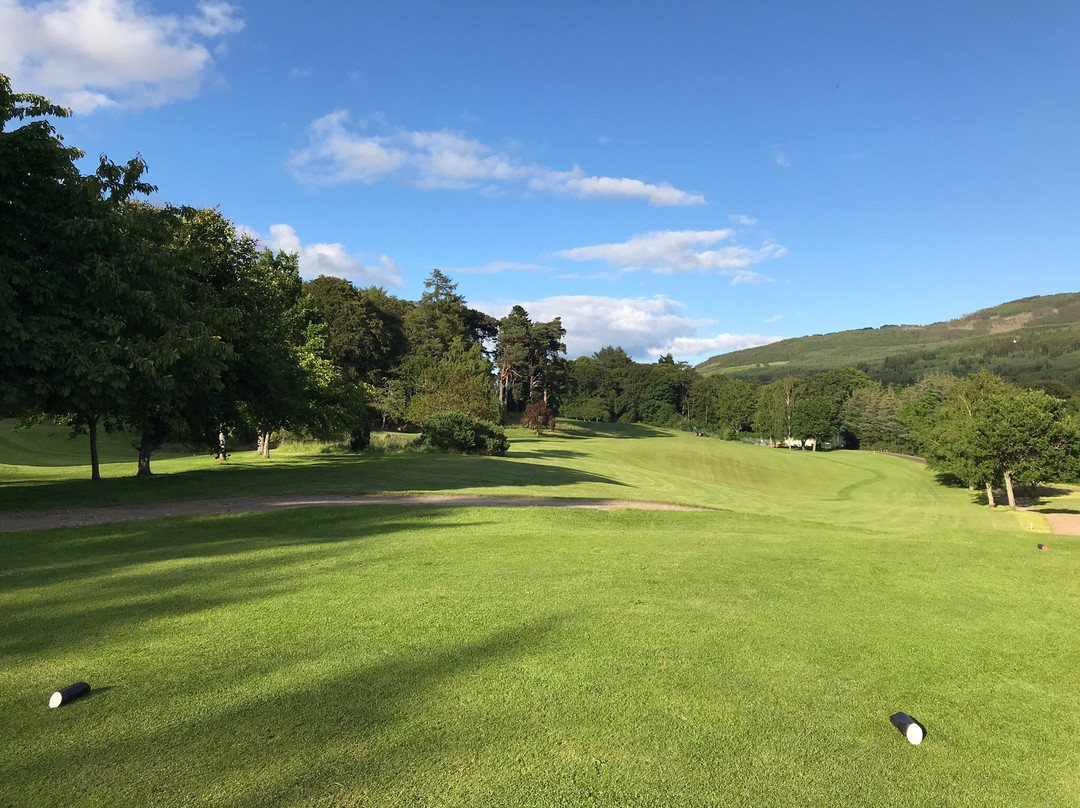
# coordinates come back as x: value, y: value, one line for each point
x: 1026, y: 341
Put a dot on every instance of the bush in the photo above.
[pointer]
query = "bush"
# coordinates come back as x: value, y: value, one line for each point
x: 538, y: 416
x: 457, y: 432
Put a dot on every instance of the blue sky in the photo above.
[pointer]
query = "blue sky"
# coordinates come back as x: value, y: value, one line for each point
x: 685, y: 177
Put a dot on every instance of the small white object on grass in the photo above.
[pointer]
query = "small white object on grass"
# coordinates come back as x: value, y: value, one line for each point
x: 68, y: 694
x: 908, y: 727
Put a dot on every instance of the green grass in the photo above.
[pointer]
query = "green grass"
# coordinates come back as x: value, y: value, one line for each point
x: 467, y: 656
x: 616, y: 461
x: 485, y: 657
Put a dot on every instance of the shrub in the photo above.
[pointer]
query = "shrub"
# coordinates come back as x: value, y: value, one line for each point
x: 457, y: 432
x: 538, y: 416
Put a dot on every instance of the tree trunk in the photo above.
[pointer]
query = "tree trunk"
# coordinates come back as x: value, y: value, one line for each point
x: 221, y: 457
x: 264, y: 443
x: 990, y: 495
x: 146, y: 447
x: 95, y: 466
x: 1009, y: 491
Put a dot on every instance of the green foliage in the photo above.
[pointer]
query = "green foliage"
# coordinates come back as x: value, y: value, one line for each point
x: 1026, y: 438
x: 527, y: 356
x: 459, y: 380
x: 365, y: 328
x: 815, y: 417
x: 943, y: 422
x: 776, y: 407
x: 457, y: 432
x: 872, y: 415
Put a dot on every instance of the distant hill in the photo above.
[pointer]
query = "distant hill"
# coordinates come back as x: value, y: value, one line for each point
x: 1030, y: 340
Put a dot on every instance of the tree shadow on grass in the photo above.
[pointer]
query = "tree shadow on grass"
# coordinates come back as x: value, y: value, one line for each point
x: 307, y: 474
x: 65, y: 585
x: 375, y: 729
x: 543, y: 454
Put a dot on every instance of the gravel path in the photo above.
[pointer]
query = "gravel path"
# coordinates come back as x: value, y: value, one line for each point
x: 14, y: 521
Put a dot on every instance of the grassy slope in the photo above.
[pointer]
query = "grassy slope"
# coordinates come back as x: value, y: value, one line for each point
x: 1045, y: 347
x: 430, y: 656
x: 601, y: 460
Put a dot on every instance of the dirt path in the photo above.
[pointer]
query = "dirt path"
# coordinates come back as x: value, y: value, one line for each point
x: 1064, y: 524
x: 14, y: 521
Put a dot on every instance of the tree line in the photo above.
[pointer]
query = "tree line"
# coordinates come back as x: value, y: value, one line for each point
x: 169, y: 322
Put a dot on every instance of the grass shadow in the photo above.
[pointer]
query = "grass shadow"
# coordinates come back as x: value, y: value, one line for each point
x: 65, y: 584
x: 368, y: 728
x: 306, y: 474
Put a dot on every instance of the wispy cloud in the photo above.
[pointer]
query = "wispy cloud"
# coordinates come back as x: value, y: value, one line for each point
x: 775, y: 318
x: 668, y: 252
x: 96, y: 54
x: 300, y: 72
x: 781, y: 159
x: 337, y: 152
x: 745, y: 221
x: 332, y: 259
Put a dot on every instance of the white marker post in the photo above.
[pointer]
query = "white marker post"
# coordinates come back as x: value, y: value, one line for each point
x: 908, y: 727
x: 68, y: 694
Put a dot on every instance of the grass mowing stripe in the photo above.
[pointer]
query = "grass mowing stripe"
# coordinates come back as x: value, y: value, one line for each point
x: 616, y: 461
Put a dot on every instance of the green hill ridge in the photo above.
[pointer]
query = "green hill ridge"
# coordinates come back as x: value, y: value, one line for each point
x: 1034, y: 339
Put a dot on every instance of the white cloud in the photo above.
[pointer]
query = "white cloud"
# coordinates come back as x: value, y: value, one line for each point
x: 781, y: 159
x: 701, y: 348
x: 443, y: 159
x: 775, y: 318
x: 746, y: 221
x: 668, y: 252
x: 95, y: 54
x: 575, y: 183
x: 332, y: 259
x: 638, y: 325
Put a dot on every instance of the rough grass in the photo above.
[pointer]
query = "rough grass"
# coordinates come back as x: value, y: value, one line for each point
x: 465, y: 656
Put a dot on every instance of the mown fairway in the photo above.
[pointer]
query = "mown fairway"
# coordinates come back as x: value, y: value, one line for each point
x: 470, y: 656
